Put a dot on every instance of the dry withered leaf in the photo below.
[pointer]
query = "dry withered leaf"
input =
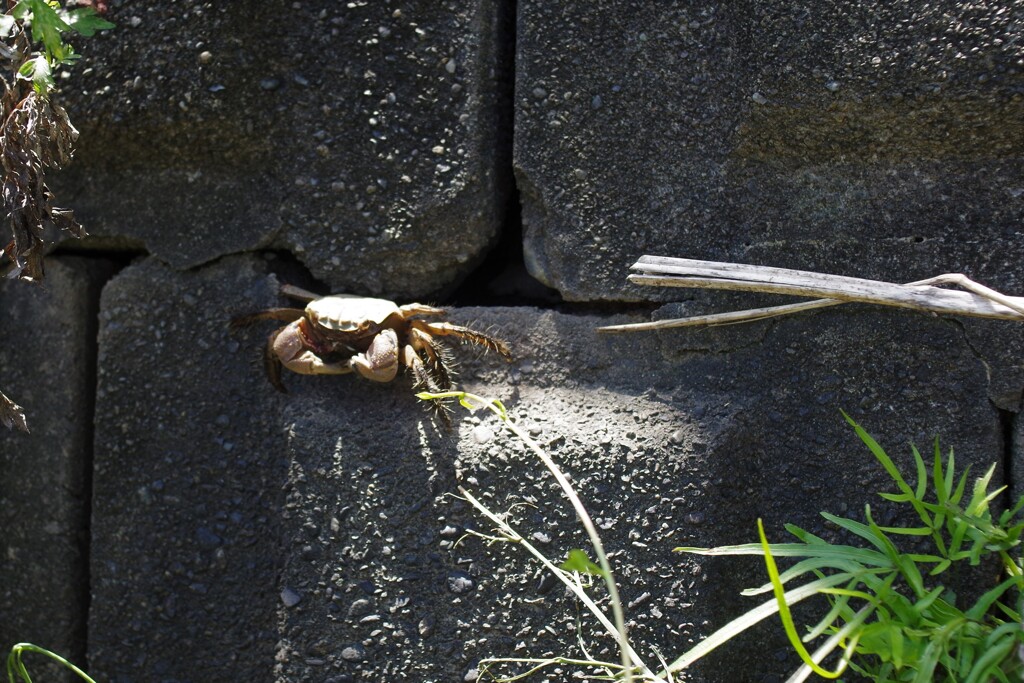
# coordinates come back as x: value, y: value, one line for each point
x: 35, y: 135
x: 11, y: 414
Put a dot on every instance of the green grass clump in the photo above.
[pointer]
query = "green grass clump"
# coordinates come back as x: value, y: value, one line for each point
x: 890, y: 615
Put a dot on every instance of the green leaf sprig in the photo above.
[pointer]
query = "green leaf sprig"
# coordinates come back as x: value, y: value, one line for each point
x: 49, y: 22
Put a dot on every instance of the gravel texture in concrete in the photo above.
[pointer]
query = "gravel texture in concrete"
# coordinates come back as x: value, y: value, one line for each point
x: 361, y: 137
x: 879, y: 140
x: 318, y: 535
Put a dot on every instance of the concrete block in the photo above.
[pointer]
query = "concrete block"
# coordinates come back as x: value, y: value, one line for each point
x: 361, y: 137
x: 242, y: 534
x: 189, y: 461
x: 47, y: 364
x: 880, y: 140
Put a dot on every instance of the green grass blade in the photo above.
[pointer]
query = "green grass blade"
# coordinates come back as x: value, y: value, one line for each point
x: 881, y: 456
x: 922, y: 605
x: 850, y: 632
x: 928, y: 661
x: 897, y: 497
x: 15, y: 664
x: 1008, y: 515
x: 724, y: 550
x: 838, y: 553
x: 922, y: 474
x: 978, y: 611
x: 753, y: 616
x: 840, y: 606
x: 905, y: 563
x: 1011, y: 614
x: 786, y: 616
x: 979, y: 499
x: 926, y: 559
x: 961, y: 486
x: 862, y: 530
x: 942, y: 480
x: 900, y: 606
x: 977, y: 548
x: 950, y: 471
x: 907, y: 531
x: 1013, y: 533
x: 805, y: 536
x: 957, y: 529
x: 990, y: 660
x: 810, y: 565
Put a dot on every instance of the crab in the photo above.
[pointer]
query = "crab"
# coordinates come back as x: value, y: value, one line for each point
x: 344, y: 333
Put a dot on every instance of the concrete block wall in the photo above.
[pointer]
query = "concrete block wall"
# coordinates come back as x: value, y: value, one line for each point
x: 199, y: 526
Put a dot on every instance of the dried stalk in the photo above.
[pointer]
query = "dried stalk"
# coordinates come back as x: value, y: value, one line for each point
x: 979, y: 301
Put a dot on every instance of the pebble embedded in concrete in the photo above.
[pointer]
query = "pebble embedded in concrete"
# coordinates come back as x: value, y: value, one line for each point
x: 460, y: 582
x: 289, y: 597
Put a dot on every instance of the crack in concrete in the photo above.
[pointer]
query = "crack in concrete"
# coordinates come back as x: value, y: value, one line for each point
x: 1007, y: 418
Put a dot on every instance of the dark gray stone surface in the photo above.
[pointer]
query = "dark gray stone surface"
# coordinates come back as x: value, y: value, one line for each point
x: 189, y: 461
x: 243, y: 535
x: 875, y: 139
x: 47, y: 360
x: 362, y: 137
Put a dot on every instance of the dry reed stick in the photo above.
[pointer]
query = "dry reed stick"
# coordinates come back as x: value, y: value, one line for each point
x: 979, y: 301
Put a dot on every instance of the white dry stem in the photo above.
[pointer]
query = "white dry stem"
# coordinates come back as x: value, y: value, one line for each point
x: 618, y: 630
x: 539, y: 664
x: 573, y: 585
x: 978, y: 301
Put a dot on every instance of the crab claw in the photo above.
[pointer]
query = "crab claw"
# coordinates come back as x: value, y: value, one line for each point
x: 379, y: 362
x: 288, y: 346
x: 271, y: 363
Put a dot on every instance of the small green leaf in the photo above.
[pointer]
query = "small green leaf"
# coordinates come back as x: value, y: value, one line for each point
x: 922, y: 605
x: 85, y: 21
x: 981, y: 607
x: 38, y: 71
x: 896, y: 643
x: 578, y: 561
x: 880, y: 455
x: 988, y: 661
x: 961, y: 485
x: 47, y: 26
x: 897, y: 497
x: 1012, y: 512
x: 804, y: 535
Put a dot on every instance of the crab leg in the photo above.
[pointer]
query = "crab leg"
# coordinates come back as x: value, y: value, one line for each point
x: 463, y: 334
x: 284, y: 314
x: 411, y: 359
x: 410, y: 310
x: 434, y: 354
x: 298, y: 293
x: 271, y: 363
